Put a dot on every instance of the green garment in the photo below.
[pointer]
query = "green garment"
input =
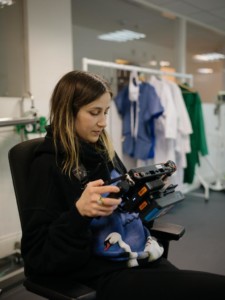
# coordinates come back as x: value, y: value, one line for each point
x: 197, y: 138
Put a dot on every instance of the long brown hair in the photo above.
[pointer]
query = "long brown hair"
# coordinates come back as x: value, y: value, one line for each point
x: 74, y: 90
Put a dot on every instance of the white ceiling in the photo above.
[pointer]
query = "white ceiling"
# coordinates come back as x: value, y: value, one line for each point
x: 209, y: 13
x: 205, y: 20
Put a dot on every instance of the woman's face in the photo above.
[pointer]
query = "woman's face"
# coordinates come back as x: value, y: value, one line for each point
x: 91, y: 118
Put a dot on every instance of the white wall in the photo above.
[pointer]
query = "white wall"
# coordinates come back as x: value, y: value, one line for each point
x: 50, y: 47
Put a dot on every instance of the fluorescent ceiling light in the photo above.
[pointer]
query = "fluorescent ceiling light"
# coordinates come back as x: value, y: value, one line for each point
x: 164, y: 63
x: 121, y: 36
x: 121, y: 61
x: 6, y: 3
x: 168, y: 15
x: 153, y: 63
x: 205, y: 71
x: 209, y: 56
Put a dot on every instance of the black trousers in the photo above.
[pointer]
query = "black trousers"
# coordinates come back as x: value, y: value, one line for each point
x: 161, y: 280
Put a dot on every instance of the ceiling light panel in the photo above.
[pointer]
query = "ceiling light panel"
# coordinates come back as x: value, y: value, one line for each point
x: 122, y: 36
x: 205, y: 71
x: 209, y: 56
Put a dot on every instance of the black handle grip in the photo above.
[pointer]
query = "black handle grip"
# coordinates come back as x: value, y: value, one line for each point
x: 124, y: 188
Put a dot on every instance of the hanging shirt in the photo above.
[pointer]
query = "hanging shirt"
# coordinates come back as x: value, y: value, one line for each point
x: 198, y: 137
x: 166, y: 124
x: 184, y: 130
x: 139, y: 135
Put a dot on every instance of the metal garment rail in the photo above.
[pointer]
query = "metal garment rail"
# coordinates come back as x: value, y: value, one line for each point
x: 87, y: 61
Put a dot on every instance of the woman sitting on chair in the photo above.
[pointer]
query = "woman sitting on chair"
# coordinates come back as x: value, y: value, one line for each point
x: 73, y: 229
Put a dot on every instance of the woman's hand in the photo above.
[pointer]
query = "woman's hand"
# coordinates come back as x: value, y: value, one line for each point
x: 92, y: 204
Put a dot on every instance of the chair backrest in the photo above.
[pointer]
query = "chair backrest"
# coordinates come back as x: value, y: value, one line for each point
x: 20, y: 157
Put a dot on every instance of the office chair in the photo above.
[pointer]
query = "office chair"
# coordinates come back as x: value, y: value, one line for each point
x: 20, y: 157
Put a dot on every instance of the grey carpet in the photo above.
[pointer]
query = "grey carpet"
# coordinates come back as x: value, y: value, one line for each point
x: 203, y: 245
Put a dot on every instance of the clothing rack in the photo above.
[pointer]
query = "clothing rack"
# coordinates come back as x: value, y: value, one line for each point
x: 189, y: 77
x: 87, y: 61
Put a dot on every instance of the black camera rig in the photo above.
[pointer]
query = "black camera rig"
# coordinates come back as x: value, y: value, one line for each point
x: 147, y: 190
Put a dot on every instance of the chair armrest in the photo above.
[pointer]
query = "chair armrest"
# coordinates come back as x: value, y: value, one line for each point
x: 167, y: 231
x: 60, y: 290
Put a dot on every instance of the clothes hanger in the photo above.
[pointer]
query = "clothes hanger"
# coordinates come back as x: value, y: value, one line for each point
x: 186, y: 88
x: 141, y: 77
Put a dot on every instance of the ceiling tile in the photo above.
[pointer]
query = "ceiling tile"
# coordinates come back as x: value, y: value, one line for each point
x: 192, y: 9
x: 181, y: 8
x: 205, y: 17
x: 206, y: 4
x: 220, y: 12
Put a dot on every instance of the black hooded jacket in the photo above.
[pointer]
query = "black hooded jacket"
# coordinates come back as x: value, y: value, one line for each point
x: 56, y: 238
